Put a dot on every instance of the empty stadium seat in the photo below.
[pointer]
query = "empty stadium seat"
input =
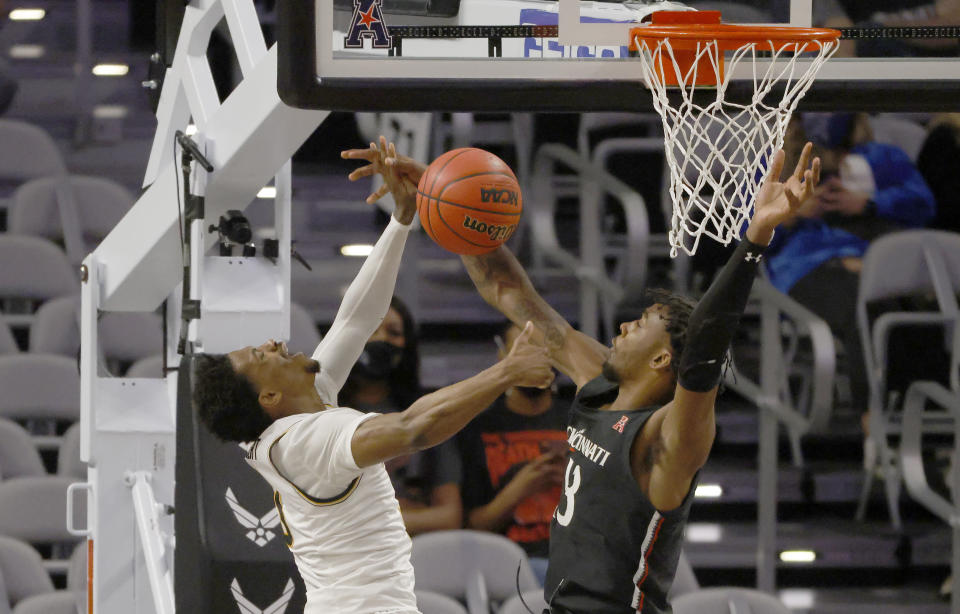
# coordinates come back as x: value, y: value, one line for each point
x: 518, y: 604
x: 448, y: 562
x: 59, y: 602
x: 728, y: 601
x: 98, y: 203
x: 19, y: 457
x: 8, y: 344
x: 429, y: 602
x: 124, y: 336
x: 55, y: 328
x: 34, y: 509
x: 69, y: 464
x: 27, y: 152
x: 22, y: 570
x: 151, y: 366
x: 34, y: 269
x: 39, y: 386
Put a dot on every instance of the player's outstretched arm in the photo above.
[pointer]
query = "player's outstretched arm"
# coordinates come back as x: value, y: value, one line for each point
x: 437, y: 416
x: 504, y: 284
x: 367, y: 300
x: 681, y: 432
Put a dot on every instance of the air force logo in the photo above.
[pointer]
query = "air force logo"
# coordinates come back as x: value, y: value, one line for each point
x: 260, y: 528
x: 247, y: 607
x: 367, y: 22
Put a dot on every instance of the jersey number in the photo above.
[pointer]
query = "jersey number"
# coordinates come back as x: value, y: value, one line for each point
x: 571, y: 484
x: 287, y: 536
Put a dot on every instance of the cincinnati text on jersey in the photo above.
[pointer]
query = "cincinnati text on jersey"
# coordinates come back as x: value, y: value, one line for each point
x: 589, y: 449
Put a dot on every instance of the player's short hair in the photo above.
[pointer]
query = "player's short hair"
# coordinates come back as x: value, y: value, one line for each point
x: 226, y: 401
x: 676, y: 318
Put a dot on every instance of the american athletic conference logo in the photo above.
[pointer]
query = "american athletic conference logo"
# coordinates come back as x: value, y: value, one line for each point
x: 367, y: 22
x: 259, y: 531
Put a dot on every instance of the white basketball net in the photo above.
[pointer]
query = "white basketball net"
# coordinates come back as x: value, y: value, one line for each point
x: 717, y: 153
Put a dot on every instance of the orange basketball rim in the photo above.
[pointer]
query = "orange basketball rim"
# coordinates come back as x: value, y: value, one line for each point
x: 688, y: 32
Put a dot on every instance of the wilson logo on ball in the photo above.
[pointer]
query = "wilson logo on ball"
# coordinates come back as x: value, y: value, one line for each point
x: 499, y: 195
x: 496, y: 232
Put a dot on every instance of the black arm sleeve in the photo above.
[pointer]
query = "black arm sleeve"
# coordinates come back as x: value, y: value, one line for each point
x: 715, y: 318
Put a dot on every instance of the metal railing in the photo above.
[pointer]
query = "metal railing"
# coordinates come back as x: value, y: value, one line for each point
x: 597, y: 290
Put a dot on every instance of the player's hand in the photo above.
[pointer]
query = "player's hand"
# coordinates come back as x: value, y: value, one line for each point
x: 528, y: 364
x: 401, y: 174
x: 542, y: 473
x: 835, y: 198
x: 779, y: 202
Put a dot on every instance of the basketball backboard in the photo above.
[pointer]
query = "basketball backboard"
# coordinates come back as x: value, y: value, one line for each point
x: 566, y: 55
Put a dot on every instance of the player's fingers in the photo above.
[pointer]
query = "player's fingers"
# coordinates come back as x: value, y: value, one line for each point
x: 776, y: 167
x: 353, y: 154
x: 380, y: 193
x: 407, y: 166
x: 363, y: 171
x: 524, y: 335
x: 803, y: 161
x: 392, y: 150
x: 792, y: 199
x: 808, y: 184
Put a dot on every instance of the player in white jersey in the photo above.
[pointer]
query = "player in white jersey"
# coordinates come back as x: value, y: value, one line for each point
x: 338, y: 510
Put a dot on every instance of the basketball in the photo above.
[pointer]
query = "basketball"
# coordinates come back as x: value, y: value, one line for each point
x: 469, y: 201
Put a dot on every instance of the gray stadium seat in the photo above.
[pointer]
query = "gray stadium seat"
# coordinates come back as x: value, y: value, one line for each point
x: 100, y: 203
x: 35, y: 269
x: 34, y: 510
x: 447, y: 562
x: 59, y: 602
x: 151, y: 366
x: 906, y: 134
x: 896, y: 265
x: 728, y: 601
x: 4, y: 596
x: 304, y: 336
x: 8, y: 345
x: 69, y: 464
x: 77, y: 577
x: 124, y: 336
x: 27, y: 152
x: 39, y: 386
x: 685, y: 581
x: 429, y: 602
x: 55, y: 328
x: 515, y: 605
x: 22, y: 570
x: 19, y: 457
x: 130, y: 336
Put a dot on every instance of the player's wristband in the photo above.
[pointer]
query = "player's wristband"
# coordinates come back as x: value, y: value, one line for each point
x: 714, y: 320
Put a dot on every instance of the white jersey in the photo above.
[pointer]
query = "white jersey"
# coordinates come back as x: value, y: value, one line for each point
x: 342, y: 523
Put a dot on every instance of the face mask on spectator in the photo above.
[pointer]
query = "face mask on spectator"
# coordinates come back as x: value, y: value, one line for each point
x: 378, y: 360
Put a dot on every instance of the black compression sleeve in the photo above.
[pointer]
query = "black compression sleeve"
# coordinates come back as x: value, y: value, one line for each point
x: 715, y: 318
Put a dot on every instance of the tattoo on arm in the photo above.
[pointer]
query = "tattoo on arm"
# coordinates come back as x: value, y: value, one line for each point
x: 497, y: 274
x: 528, y: 309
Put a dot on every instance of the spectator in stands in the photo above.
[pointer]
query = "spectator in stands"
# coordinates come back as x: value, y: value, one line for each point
x: 867, y: 189
x: 386, y: 378
x: 937, y: 162
x: 514, y: 455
